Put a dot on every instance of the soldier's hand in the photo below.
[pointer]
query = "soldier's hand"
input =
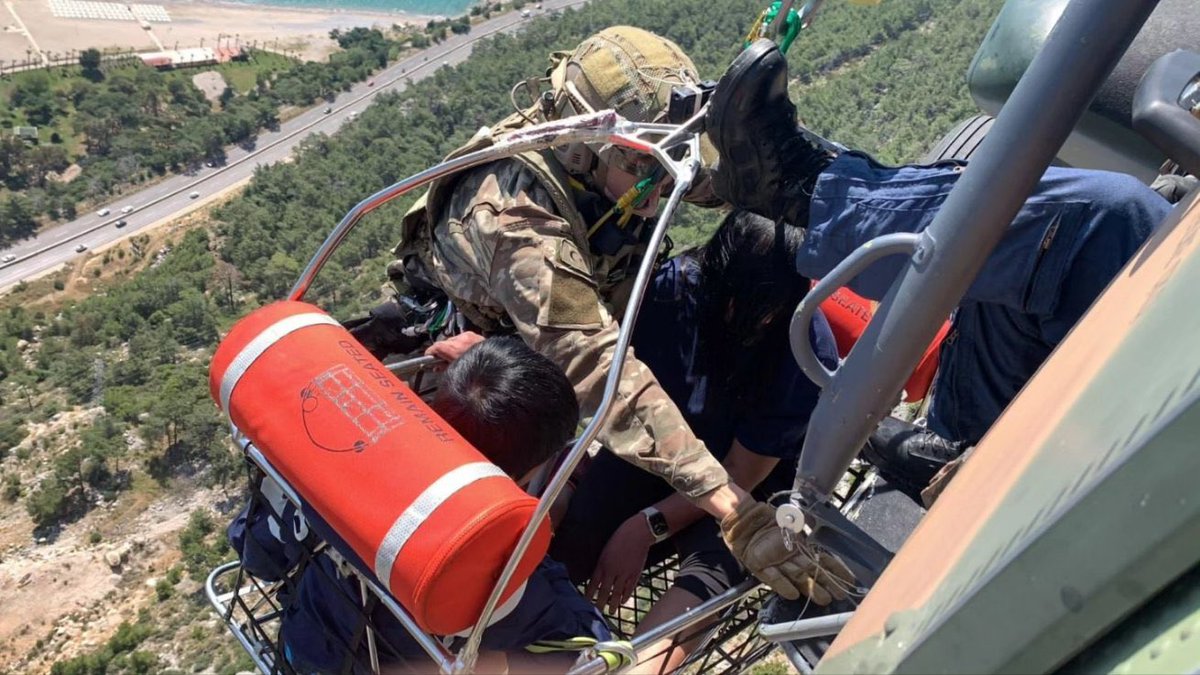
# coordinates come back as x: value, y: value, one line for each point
x: 382, y: 332
x: 757, y: 542
x: 451, y: 348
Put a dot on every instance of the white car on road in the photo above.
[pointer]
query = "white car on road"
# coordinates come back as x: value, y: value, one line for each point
x: 103, y: 212
x: 193, y: 194
x: 8, y: 257
x: 127, y: 208
x: 81, y: 248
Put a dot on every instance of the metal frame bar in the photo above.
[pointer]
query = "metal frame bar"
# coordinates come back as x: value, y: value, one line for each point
x: 1087, y: 42
x: 225, y: 611
x: 803, y: 629
x: 683, y: 171
x: 602, y: 127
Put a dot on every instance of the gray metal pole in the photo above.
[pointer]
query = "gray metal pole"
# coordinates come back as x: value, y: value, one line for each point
x: 1079, y: 53
x: 804, y: 629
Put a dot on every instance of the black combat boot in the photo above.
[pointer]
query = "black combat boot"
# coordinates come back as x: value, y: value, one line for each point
x: 907, y: 456
x: 769, y: 163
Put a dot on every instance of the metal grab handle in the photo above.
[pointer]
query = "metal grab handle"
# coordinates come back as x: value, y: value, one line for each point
x: 1160, y: 115
x: 853, y: 265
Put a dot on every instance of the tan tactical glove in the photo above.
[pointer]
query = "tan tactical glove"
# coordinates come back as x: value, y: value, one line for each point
x: 757, y: 542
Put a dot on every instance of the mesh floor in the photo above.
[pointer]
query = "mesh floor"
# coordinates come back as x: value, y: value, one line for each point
x: 252, y: 609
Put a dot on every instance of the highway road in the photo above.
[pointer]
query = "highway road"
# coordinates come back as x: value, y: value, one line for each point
x: 170, y: 198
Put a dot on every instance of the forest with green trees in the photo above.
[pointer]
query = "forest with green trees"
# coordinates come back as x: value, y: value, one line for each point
x: 139, y: 350
x: 128, y: 123
x: 887, y: 79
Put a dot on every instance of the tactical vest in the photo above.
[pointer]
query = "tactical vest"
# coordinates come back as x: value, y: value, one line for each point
x: 418, y: 223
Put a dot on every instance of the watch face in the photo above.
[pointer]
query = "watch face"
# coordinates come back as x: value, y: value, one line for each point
x: 658, y: 524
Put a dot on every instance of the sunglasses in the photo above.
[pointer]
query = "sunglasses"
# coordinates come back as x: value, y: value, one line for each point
x: 634, y: 163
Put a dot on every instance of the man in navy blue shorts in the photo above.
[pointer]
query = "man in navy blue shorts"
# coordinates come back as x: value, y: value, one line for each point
x: 1072, y: 236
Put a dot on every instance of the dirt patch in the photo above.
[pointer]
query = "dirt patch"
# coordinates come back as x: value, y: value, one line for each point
x: 69, y: 174
x: 67, y: 597
x: 211, y: 83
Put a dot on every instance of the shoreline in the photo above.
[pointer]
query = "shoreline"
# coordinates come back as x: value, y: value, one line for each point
x: 236, y: 5
x: 300, y: 31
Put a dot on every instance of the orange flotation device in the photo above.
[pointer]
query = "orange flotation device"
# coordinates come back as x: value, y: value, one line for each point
x: 849, y: 313
x: 426, y: 512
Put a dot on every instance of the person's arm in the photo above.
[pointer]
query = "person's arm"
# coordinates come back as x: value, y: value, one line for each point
x: 624, y: 556
x: 746, y: 469
x: 542, y: 279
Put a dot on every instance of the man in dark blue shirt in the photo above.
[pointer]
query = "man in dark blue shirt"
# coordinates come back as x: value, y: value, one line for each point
x: 713, y: 330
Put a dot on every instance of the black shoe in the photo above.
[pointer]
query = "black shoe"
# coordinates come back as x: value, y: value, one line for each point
x: 908, y: 456
x: 769, y: 163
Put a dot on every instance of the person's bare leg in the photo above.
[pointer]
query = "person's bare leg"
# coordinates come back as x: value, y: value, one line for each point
x: 666, y: 658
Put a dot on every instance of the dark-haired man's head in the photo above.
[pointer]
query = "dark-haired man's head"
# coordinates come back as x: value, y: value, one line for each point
x: 748, y: 275
x: 748, y: 290
x: 513, y: 404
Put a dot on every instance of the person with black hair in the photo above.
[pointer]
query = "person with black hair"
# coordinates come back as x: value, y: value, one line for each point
x: 510, y: 402
x: 713, y: 330
x: 519, y: 410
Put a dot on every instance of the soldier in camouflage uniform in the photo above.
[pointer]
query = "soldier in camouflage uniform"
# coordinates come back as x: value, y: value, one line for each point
x: 509, y: 242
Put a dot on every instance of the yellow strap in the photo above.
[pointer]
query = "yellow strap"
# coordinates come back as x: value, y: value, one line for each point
x: 615, y: 653
x: 575, y: 644
x: 756, y: 27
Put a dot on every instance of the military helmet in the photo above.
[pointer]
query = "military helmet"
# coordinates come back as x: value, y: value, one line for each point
x: 631, y: 71
x: 622, y: 68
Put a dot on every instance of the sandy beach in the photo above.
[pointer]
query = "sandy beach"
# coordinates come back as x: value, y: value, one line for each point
x: 29, y: 24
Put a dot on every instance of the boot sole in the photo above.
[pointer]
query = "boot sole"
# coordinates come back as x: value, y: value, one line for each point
x: 725, y: 103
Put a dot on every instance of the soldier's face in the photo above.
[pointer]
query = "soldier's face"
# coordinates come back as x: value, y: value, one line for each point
x: 623, y: 171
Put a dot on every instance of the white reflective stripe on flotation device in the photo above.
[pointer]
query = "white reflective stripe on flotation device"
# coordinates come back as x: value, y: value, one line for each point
x: 422, y: 507
x: 261, y: 343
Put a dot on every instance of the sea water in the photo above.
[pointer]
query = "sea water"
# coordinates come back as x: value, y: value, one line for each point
x: 447, y: 8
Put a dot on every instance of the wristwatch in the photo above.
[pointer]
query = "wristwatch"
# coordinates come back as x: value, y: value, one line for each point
x: 658, y: 523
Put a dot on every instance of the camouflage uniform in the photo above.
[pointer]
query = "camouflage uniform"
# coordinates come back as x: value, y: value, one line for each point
x: 504, y: 250
x: 508, y: 244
